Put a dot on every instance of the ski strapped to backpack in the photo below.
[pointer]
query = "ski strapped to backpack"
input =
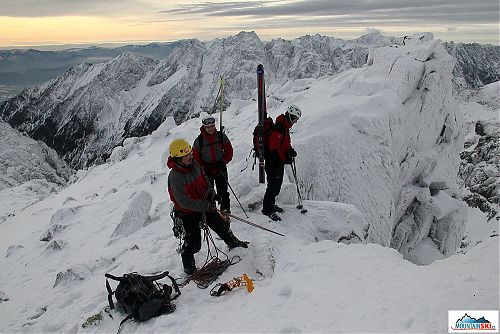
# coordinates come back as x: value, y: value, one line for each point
x: 141, y: 296
x: 261, y: 105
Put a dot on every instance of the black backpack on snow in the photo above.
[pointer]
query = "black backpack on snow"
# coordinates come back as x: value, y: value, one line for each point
x: 141, y: 296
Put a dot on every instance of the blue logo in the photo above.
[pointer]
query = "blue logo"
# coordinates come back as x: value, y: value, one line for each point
x: 469, y: 323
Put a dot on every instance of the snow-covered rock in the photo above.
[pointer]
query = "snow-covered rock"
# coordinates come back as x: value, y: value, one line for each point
x: 401, y: 139
x: 480, y: 168
x: 29, y: 171
x: 23, y: 159
x: 477, y: 65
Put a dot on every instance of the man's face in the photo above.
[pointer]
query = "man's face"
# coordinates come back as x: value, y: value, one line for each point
x: 210, y: 129
x: 187, y: 160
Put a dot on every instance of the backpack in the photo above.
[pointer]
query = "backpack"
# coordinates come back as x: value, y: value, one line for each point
x: 221, y: 141
x: 268, y: 126
x: 141, y: 296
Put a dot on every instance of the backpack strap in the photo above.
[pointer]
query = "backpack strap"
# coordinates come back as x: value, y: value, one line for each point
x: 220, y: 135
x: 200, y: 140
x: 110, y: 291
x: 110, y: 295
x: 119, y: 279
x: 176, y: 287
x: 128, y: 317
x: 174, y: 283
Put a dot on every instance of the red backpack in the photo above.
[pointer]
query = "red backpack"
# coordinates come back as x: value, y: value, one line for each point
x: 268, y: 126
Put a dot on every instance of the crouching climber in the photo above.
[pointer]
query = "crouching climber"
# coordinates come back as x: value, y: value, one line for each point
x: 194, y: 203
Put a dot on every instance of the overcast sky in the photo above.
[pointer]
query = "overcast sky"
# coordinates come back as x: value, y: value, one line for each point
x: 40, y: 22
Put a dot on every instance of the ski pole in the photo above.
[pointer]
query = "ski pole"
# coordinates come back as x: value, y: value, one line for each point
x: 294, y: 172
x: 249, y: 222
x: 227, y: 182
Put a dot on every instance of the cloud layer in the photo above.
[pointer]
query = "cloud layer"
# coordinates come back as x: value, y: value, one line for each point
x: 381, y: 11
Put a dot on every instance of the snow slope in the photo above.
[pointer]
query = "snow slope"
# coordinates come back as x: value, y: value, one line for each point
x: 115, y: 218
x: 29, y: 171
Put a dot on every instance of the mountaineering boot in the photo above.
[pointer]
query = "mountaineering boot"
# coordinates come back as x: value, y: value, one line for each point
x: 233, y: 242
x: 274, y: 216
x: 278, y: 209
x: 188, y: 263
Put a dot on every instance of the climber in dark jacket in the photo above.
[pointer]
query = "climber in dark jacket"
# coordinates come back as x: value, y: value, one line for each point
x: 280, y: 152
x: 212, y: 150
x: 194, y: 202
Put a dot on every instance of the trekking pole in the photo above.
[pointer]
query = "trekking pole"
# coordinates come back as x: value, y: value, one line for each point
x: 227, y: 182
x: 250, y: 223
x: 221, y: 101
x: 294, y: 172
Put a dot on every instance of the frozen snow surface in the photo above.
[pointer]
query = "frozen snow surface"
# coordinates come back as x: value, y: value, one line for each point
x: 378, y: 154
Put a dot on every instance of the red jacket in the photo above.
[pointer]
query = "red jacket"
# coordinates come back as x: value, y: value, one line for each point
x: 279, y: 142
x: 208, y: 149
x: 188, y: 187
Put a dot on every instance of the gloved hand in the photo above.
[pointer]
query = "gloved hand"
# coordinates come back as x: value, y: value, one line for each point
x: 220, y: 165
x: 292, y: 153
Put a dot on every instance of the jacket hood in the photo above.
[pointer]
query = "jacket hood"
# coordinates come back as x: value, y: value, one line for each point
x: 172, y: 165
x: 282, y: 120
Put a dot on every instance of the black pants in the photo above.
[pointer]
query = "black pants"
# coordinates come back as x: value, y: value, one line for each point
x: 274, y: 173
x: 220, y: 179
x: 192, y: 239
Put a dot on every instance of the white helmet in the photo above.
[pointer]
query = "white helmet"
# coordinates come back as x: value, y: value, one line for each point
x: 294, y: 112
x: 208, y: 120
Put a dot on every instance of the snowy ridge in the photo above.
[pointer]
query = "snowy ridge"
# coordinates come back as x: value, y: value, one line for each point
x: 65, y: 109
x: 128, y: 108
x: 352, y: 160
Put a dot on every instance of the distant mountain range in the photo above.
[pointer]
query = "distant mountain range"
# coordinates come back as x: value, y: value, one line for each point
x: 93, y: 107
x: 21, y: 68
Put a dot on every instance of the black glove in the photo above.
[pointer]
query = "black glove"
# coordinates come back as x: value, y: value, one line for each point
x: 220, y: 165
x: 291, y: 153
